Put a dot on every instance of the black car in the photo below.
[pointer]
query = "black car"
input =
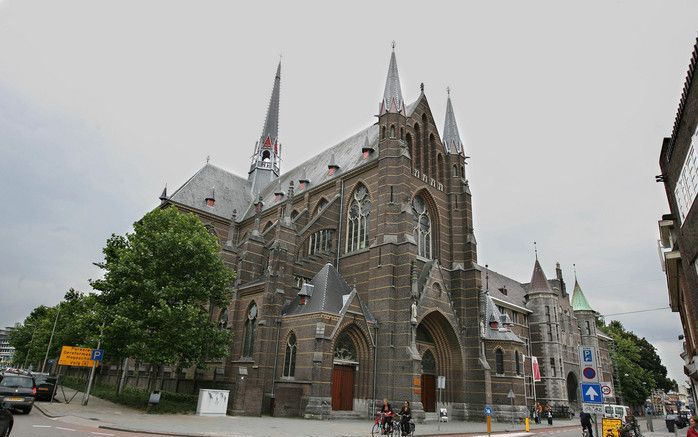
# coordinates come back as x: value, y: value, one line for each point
x: 45, y: 386
x: 17, y: 391
x: 6, y: 422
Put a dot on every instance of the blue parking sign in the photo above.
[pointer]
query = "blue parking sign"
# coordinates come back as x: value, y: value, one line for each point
x: 97, y: 354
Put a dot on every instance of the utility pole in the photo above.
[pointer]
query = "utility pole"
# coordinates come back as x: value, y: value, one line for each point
x: 92, y: 372
x: 29, y: 349
x: 50, y: 340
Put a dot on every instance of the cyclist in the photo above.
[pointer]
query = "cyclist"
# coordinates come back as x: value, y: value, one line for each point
x: 585, y: 419
x: 405, y: 417
x: 387, y: 417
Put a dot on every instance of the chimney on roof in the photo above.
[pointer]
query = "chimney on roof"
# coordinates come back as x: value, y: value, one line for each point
x: 303, y: 181
x: 367, y: 149
x: 211, y: 199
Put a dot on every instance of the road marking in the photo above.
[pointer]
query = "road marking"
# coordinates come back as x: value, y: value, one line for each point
x: 65, y: 429
x: 41, y: 426
x: 102, y: 433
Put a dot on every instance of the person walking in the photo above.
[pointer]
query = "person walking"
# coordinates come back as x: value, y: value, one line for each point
x: 549, y: 414
x: 692, y: 431
x: 648, y: 417
x: 406, y: 416
x: 585, y: 419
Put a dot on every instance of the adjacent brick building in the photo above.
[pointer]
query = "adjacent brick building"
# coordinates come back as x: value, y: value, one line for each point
x: 358, y: 279
x: 678, y: 243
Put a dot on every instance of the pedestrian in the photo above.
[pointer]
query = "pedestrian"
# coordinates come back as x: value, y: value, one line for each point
x: 585, y: 419
x: 648, y: 416
x: 549, y: 414
x: 692, y: 431
x: 539, y: 412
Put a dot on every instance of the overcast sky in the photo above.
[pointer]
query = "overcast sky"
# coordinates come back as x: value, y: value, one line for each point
x: 562, y: 107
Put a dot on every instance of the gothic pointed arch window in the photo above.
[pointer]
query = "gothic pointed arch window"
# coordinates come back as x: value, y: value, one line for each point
x: 250, y: 330
x: 290, y: 357
x: 499, y: 361
x: 357, y: 219
x: 517, y: 361
x: 423, y: 232
x: 344, y: 349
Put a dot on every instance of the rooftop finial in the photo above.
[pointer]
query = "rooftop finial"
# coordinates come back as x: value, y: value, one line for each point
x: 487, y: 279
x: 393, y: 45
x: 448, y: 91
x: 535, y: 249
x: 574, y: 268
x: 208, y: 158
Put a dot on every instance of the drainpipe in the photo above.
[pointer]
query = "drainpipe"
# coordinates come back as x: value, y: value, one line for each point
x: 341, y: 220
x: 375, y: 369
x: 276, y: 361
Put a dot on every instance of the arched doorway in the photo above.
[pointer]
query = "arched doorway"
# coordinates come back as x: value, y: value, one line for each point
x: 350, y: 370
x: 428, y: 381
x: 572, y: 388
x: 438, y: 345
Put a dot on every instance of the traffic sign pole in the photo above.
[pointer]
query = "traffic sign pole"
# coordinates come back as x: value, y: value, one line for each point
x: 94, y: 366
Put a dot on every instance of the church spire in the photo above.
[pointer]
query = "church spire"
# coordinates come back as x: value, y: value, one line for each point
x: 451, y: 137
x: 266, y: 161
x: 270, y: 131
x: 392, y: 96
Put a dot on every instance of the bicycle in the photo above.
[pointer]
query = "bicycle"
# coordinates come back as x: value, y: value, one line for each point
x: 585, y: 432
x: 378, y: 430
x: 398, y: 426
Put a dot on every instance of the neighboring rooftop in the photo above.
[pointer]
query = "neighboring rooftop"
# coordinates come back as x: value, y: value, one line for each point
x: 327, y: 295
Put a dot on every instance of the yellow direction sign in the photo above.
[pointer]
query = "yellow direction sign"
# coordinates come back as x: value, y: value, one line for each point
x: 611, y: 427
x: 76, y: 356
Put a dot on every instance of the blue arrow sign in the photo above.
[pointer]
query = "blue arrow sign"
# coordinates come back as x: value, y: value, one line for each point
x: 591, y: 393
x: 488, y: 410
x: 97, y: 354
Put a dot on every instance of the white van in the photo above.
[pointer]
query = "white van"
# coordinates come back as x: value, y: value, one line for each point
x: 615, y: 411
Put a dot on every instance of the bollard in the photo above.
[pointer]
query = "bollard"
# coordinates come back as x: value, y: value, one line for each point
x: 489, y: 425
x: 528, y: 424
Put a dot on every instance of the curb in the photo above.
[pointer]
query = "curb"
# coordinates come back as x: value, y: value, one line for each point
x: 140, y: 431
x: 503, y: 433
x: 44, y: 412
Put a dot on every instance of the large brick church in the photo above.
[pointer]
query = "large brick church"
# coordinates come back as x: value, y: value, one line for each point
x: 358, y: 280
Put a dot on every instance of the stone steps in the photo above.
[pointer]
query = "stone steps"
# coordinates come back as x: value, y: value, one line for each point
x: 346, y: 415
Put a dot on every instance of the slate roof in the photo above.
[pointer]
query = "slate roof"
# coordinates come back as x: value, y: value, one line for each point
x: 501, y: 334
x: 516, y: 292
x: 231, y: 192
x: 347, y: 155
x: 579, y: 301
x: 328, y: 290
x: 538, y: 280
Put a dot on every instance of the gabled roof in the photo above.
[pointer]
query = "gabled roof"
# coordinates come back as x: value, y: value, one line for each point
x: 451, y: 137
x: 329, y: 289
x: 538, y: 280
x: 515, y: 291
x: 579, y: 301
x: 232, y: 192
x: 347, y: 155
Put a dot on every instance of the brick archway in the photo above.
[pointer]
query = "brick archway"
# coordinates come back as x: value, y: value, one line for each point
x: 436, y: 335
x: 351, y: 364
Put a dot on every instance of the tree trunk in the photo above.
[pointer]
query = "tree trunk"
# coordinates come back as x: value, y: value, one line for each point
x: 124, y: 377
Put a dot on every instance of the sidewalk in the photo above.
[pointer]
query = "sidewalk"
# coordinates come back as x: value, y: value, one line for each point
x: 106, y: 415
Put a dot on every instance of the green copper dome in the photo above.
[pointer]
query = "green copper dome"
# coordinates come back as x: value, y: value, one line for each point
x: 579, y: 301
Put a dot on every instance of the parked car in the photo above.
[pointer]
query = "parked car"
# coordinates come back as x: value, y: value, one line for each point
x: 45, y: 385
x: 616, y: 412
x: 17, y: 391
x: 6, y: 422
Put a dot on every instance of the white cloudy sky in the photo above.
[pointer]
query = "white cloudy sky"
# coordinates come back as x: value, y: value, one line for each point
x: 562, y: 106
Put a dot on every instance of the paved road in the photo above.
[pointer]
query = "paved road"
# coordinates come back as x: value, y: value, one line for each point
x: 36, y: 424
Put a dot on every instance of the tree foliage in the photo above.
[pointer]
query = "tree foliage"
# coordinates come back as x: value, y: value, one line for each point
x: 160, y: 285
x: 640, y: 369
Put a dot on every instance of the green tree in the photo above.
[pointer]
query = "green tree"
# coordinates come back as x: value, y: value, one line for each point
x: 640, y: 369
x: 160, y: 285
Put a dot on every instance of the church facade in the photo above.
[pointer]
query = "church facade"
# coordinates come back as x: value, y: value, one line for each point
x: 358, y: 280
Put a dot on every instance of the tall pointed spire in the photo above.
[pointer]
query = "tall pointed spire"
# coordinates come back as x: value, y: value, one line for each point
x: 579, y: 301
x: 538, y: 280
x: 451, y: 137
x: 266, y: 161
x: 392, y: 96
x: 270, y: 131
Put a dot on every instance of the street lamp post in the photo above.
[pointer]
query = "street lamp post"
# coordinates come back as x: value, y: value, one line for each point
x: 50, y: 340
